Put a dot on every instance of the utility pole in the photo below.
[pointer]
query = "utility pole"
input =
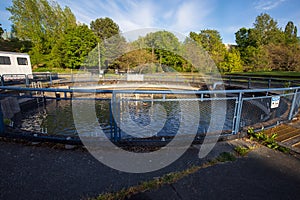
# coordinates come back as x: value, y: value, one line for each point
x: 99, y: 60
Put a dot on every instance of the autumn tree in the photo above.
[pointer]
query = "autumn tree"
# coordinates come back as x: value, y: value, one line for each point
x: 138, y: 60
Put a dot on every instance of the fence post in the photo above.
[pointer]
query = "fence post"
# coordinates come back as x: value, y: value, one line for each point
x: 2, y: 125
x: 72, y: 77
x: 269, y: 83
x: 239, y: 113
x: 26, y: 80
x: 50, y: 78
x: 2, y: 80
x: 249, y: 83
x: 293, y: 105
x: 115, y: 108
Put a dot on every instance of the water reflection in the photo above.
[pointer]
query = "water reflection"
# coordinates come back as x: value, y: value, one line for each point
x: 137, y: 118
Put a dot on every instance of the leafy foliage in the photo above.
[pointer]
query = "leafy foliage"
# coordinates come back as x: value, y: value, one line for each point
x: 165, y: 49
x: 104, y: 28
x: 42, y: 23
x: 226, y: 157
x: 265, y: 47
x: 135, y: 59
x: 266, y: 30
x: 75, y: 46
x: 1, y: 31
x: 242, y: 151
x: 54, y: 39
x: 266, y: 140
x: 15, y: 45
x: 211, y: 41
x: 232, y: 61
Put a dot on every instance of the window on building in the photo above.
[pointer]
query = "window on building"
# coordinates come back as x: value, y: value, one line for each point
x: 5, y: 60
x: 22, y: 61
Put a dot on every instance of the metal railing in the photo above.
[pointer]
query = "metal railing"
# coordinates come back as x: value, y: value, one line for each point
x: 51, y: 79
x: 258, y: 108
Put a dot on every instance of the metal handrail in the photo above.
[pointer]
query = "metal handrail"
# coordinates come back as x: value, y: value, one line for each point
x: 239, y: 96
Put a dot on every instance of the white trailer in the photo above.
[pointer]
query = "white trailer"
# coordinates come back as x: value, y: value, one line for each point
x: 14, y: 65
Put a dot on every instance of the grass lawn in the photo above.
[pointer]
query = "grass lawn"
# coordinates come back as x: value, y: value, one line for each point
x: 56, y: 70
x: 272, y: 73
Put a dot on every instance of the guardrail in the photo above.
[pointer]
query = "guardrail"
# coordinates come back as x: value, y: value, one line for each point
x: 258, y: 108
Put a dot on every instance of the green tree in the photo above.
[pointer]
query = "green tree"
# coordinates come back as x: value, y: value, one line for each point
x: 284, y: 55
x: 244, y: 38
x: 255, y: 44
x: 257, y: 59
x: 76, y: 45
x: 42, y: 23
x: 232, y: 61
x: 211, y: 41
x: 113, y: 47
x: 266, y: 30
x: 164, y: 47
x: 104, y: 28
x: 1, y: 31
x: 290, y: 33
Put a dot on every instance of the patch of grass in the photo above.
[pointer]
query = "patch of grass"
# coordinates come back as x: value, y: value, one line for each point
x: 6, y: 121
x: 226, y: 157
x: 268, y: 141
x: 268, y: 73
x: 149, y: 185
x: 56, y: 70
x: 169, y: 178
x: 242, y: 151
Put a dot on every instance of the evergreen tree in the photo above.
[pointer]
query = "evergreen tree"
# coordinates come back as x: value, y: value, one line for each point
x: 290, y: 33
x: 105, y: 28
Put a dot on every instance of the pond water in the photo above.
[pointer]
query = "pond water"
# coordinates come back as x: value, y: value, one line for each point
x: 136, y: 118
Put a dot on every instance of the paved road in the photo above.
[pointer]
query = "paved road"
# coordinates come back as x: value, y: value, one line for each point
x: 263, y: 174
x: 32, y: 172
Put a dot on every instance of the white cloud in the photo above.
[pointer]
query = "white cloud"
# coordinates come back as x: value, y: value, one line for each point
x: 181, y: 16
x: 267, y: 4
x: 190, y: 15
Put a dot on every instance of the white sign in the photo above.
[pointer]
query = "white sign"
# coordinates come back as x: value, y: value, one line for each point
x: 275, y: 102
x: 135, y: 77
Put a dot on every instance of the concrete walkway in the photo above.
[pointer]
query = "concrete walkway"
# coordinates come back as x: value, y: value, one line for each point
x: 48, y: 172
x: 263, y: 174
x: 43, y: 172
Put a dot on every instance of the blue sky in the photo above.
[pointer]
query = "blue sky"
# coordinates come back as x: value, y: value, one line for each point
x: 182, y: 16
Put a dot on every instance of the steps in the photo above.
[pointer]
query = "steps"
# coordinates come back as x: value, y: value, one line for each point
x: 288, y: 135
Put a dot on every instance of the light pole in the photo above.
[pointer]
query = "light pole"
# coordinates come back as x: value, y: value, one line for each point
x: 99, y: 60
